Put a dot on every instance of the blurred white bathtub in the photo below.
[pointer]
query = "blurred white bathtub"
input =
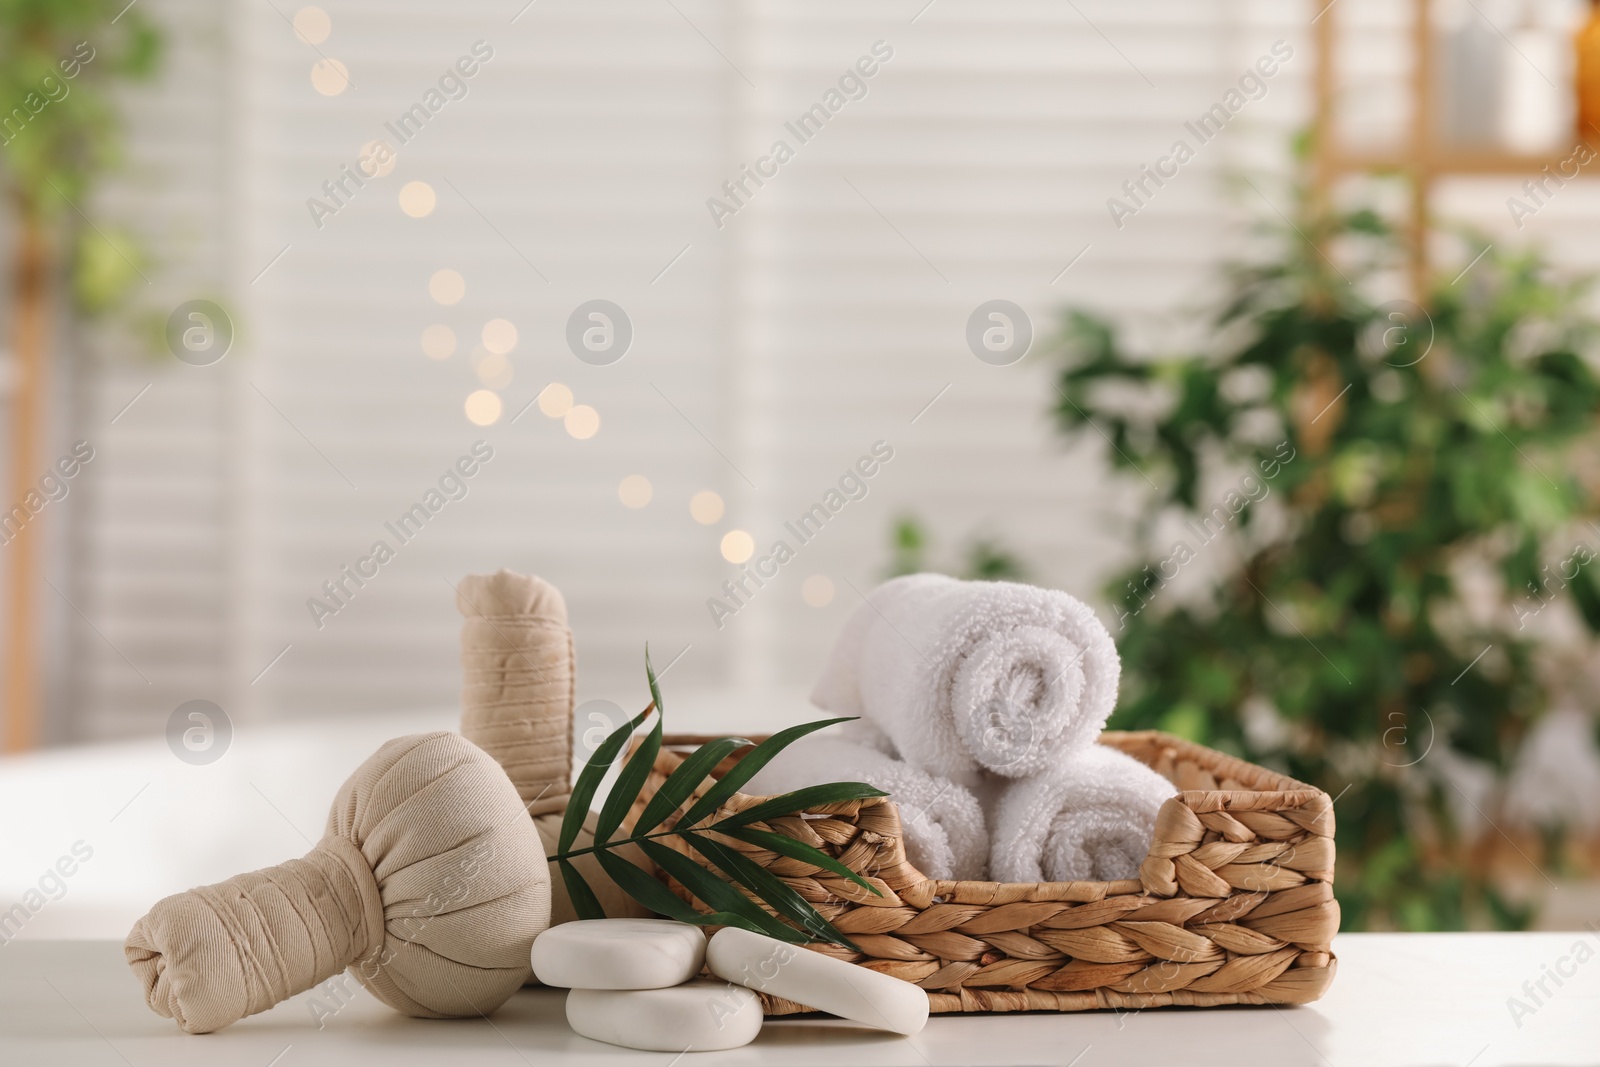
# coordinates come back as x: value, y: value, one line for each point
x: 153, y: 825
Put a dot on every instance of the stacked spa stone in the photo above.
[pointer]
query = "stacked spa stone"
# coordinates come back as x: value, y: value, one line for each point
x: 634, y: 983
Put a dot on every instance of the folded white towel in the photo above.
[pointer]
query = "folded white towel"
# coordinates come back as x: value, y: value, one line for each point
x: 973, y: 677
x: 942, y: 823
x: 1088, y: 819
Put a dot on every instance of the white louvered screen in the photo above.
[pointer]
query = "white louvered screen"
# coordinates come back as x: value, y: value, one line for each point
x: 770, y: 355
x: 990, y: 143
x: 578, y: 154
x: 149, y: 563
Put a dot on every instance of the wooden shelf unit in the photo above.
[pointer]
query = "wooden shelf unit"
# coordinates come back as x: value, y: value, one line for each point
x: 1421, y: 158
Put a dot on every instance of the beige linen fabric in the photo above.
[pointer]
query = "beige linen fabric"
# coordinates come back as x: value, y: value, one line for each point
x: 429, y: 884
x: 519, y: 682
x: 519, y: 674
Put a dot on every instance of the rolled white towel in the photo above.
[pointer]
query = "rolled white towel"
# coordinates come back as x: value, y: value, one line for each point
x: 942, y: 823
x: 1089, y: 819
x: 973, y: 677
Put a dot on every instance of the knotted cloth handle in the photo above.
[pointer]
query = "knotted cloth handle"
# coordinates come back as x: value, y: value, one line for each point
x: 213, y: 955
x: 430, y: 884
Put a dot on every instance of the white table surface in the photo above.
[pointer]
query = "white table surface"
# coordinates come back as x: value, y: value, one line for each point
x: 1397, y: 999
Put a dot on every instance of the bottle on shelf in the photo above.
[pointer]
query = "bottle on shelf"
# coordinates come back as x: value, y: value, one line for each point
x: 1536, y: 112
x: 1469, y: 78
x: 1587, y: 56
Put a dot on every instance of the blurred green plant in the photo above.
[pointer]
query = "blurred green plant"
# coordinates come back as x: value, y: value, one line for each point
x: 980, y: 558
x: 1339, y: 469
x: 58, y: 134
x: 60, y: 128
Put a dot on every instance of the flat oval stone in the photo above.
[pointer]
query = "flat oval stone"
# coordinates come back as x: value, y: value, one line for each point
x: 817, y: 981
x: 701, y: 1016
x: 619, y: 954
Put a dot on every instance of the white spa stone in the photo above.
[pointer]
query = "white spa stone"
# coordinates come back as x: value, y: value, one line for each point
x: 619, y: 954
x: 817, y: 981
x: 702, y: 1016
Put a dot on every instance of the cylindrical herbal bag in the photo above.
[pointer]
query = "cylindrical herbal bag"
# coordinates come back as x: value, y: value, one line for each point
x: 519, y: 685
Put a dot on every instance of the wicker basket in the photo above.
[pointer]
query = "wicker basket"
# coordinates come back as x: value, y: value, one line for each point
x: 1233, y: 905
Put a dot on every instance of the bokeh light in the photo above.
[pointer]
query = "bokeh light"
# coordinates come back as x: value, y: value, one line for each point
x: 447, y: 286
x: 312, y: 24
x: 555, y: 400
x: 329, y: 77
x: 635, y: 491
x: 817, y: 591
x: 737, y: 546
x: 494, y: 370
x: 377, y: 159
x: 483, y: 407
x: 706, y: 507
x: 438, y: 341
x: 417, y: 199
x: 499, y: 336
x: 583, y: 421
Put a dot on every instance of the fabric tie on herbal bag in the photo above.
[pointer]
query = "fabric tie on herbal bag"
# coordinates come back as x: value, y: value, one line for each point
x: 429, y: 884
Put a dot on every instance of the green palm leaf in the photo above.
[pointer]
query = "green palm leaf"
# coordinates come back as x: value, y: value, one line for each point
x: 747, y: 767
x: 589, y: 779
x: 718, y: 894
x: 681, y: 782
x: 769, y: 887
x: 650, y: 677
x: 658, y: 898
x: 799, y: 850
x: 730, y: 906
x: 626, y: 788
x: 812, y: 796
x: 584, y: 902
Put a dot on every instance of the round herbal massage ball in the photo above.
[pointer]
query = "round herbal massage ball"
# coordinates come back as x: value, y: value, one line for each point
x: 429, y: 884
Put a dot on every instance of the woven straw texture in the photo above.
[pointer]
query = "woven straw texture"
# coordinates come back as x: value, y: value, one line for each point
x: 1233, y: 905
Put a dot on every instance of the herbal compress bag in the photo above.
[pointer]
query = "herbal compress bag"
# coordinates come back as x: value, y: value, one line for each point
x: 519, y: 682
x: 429, y: 884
